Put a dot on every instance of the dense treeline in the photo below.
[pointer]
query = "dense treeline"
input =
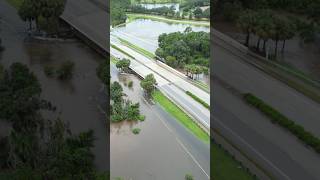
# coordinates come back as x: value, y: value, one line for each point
x: 189, y: 11
x: 272, y: 20
x: 44, y: 13
x: 188, y: 49
x: 118, y: 11
x: 37, y: 148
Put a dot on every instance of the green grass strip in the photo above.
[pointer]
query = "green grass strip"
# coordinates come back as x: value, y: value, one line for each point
x: 198, y: 99
x: 114, y: 60
x: 223, y: 166
x: 117, y: 48
x: 278, y: 118
x: 181, y: 116
x: 137, y: 48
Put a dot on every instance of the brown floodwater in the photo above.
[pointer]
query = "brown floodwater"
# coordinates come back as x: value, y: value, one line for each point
x: 155, y: 153
x: 77, y: 100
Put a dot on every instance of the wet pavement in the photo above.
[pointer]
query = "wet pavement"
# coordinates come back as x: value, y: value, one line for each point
x: 162, y: 140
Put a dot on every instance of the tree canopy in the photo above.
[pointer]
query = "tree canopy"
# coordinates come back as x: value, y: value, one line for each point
x: 38, y: 148
x: 45, y: 13
x: 148, y: 84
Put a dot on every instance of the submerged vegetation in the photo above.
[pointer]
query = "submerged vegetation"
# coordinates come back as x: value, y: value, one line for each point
x: 38, y: 148
x: 121, y: 108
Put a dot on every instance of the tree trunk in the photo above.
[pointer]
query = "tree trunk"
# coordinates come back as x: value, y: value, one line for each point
x: 258, y: 44
x: 283, y: 45
x: 276, y: 49
x: 264, y: 45
x: 247, y: 39
x: 30, y: 25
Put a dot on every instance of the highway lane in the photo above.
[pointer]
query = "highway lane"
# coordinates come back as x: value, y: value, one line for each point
x: 230, y: 68
x: 172, y: 77
x: 276, y: 150
x: 195, y: 109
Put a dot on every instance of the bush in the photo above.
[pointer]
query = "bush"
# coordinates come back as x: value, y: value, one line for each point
x: 130, y: 84
x: 65, y: 70
x: 198, y: 99
x: 188, y: 177
x: 142, y: 118
x: 136, y: 131
x: 276, y: 117
x: 49, y: 70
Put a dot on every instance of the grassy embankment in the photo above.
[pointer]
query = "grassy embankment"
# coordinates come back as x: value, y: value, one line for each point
x: 224, y: 167
x: 132, y: 16
x: 181, y: 116
x: 137, y: 48
x: 116, y: 47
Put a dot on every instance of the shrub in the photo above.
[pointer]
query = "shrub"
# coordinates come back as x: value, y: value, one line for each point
x: 49, y: 70
x: 198, y: 99
x: 130, y: 84
x: 188, y: 177
x: 65, y: 70
x: 276, y: 117
x: 142, y: 118
x: 136, y: 131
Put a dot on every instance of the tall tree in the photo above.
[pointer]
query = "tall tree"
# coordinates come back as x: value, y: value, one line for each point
x: 247, y: 22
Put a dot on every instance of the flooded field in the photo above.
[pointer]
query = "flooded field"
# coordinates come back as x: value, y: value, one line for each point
x: 145, y: 32
x: 133, y: 156
x: 76, y: 100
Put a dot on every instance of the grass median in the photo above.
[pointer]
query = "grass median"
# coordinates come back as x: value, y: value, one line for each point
x: 196, y: 98
x: 137, y: 48
x: 181, y: 116
x: 276, y: 117
x: 122, y: 51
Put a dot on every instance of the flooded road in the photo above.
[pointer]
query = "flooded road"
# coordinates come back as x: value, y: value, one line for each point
x: 76, y: 100
x: 162, y: 140
x: 145, y: 32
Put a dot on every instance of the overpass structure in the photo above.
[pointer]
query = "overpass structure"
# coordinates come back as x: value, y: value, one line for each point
x: 276, y: 152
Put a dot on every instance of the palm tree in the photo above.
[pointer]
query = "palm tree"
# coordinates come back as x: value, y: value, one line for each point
x: 247, y: 22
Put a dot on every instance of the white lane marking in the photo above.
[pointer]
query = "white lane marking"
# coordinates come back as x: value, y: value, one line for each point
x: 181, y: 144
x: 252, y: 148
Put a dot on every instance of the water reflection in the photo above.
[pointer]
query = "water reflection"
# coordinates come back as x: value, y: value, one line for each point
x: 133, y: 156
x: 145, y: 32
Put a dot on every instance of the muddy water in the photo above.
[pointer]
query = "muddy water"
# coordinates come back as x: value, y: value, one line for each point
x: 145, y: 32
x: 155, y: 153
x: 76, y: 100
